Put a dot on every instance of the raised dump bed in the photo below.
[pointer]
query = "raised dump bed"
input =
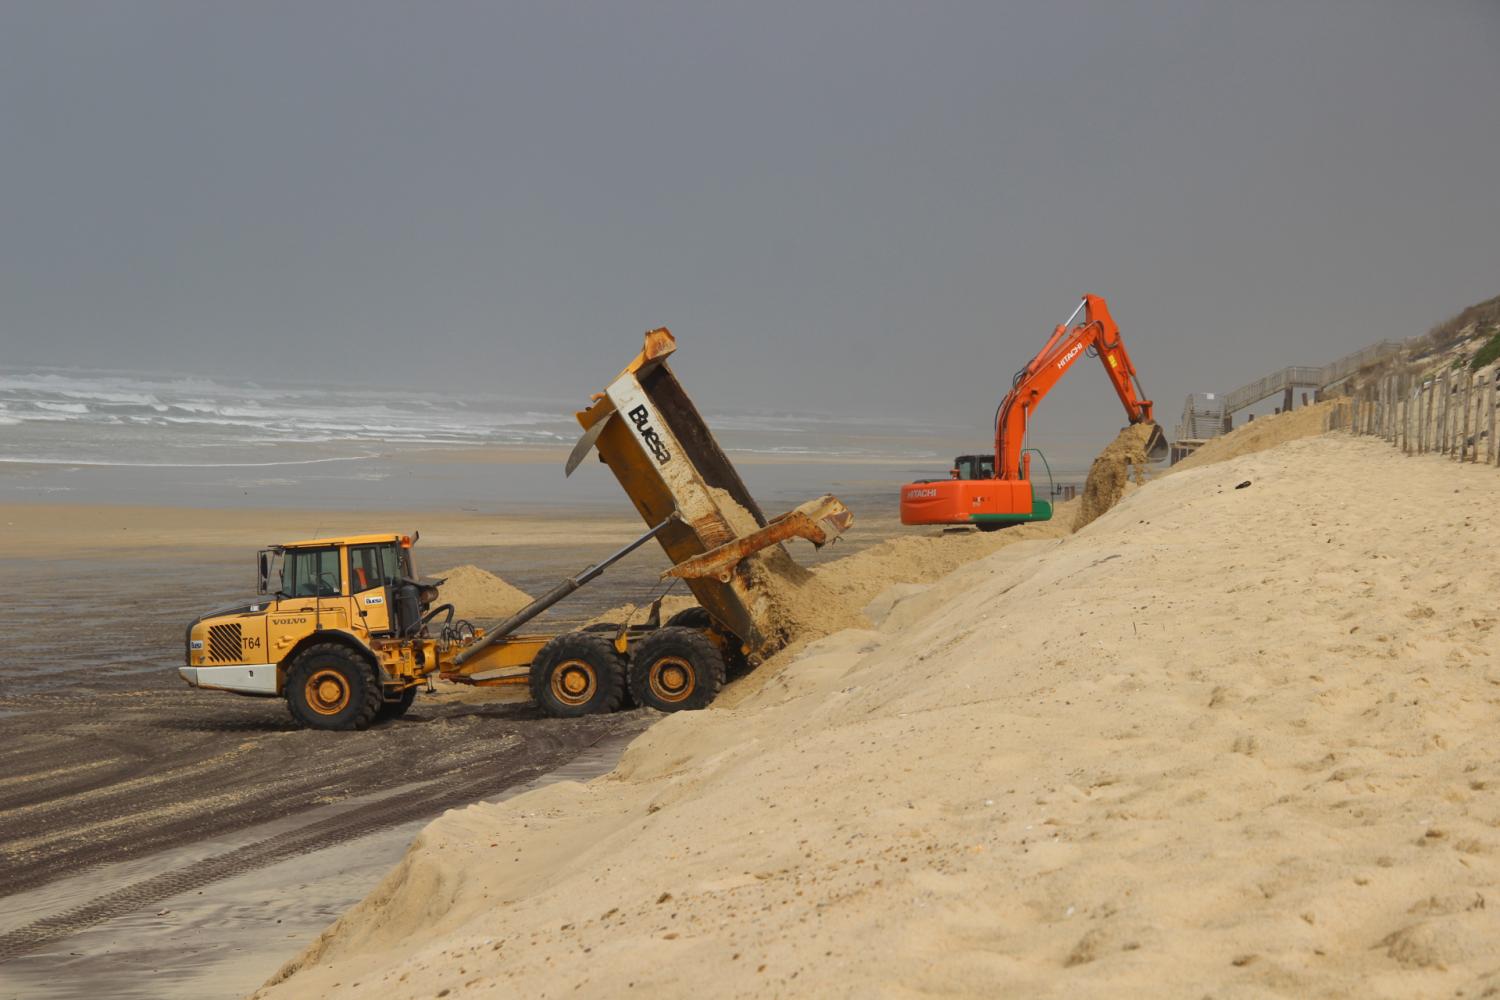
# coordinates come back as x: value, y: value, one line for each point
x: 653, y: 439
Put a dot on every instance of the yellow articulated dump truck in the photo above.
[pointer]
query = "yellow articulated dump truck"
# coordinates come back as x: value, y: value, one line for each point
x: 347, y: 633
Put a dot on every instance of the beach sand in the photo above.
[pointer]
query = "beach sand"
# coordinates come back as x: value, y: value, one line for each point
x: 1224, y: 741
x: 62, y: 530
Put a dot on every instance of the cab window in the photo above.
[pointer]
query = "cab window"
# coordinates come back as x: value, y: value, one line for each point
x: 372, y: 566
x: 976, y: 467
x: 310, y: 573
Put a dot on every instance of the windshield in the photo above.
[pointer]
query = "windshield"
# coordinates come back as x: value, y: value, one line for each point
x: 976, y: 467
x: 310, y: 573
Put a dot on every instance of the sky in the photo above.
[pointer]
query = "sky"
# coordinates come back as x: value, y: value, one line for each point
x: 851, y: 208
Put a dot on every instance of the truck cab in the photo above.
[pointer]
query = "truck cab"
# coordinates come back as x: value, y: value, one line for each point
x: 327, y: 608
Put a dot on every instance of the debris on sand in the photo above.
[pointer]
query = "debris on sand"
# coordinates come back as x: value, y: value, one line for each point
x: 1110, y: 473
x: 477, y: 593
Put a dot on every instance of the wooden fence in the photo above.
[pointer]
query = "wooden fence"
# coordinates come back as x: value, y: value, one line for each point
x: 1450, y: 414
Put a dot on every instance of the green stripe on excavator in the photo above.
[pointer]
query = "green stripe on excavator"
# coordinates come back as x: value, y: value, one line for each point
x: 1041, y: 510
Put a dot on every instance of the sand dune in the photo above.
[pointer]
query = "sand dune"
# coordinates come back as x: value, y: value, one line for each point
x: 1258, y: 435
x: 1227, y: 742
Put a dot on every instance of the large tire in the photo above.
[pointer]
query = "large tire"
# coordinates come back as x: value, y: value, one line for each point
x: 578, y: 673
x: 690, y: 618
x: 735, y: 664
x: 676, y: 669
x: 332, y: 687
x: 396, y: 709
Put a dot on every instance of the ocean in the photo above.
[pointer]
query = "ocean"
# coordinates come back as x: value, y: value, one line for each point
x: 103, y: 436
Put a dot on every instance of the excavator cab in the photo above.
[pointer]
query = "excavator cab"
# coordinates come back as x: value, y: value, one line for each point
x: 973, y: 467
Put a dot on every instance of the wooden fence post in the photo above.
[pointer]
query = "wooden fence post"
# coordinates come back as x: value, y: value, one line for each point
x: 1401, y: 425
x: 1427, y: 416
x: 1430, y: 425
x: 1421, y: 418
x: 1389, y: 430
x: 1392, y: 428
x: 1405, y: 416
x: 1491, y: 451
x: 1385, y: 413
x: 1443, y: 419
x: 1463, y: 422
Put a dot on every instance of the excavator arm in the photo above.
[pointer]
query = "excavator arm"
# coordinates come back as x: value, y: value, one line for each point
x: 1097, y: 335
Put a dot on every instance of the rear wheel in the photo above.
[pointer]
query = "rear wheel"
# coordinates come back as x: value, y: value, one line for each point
x: 578, y: 673
x: 676, y: 669
x: 690, y: 618
x: 332, y: 687
x: 735, y: 663
x: 396, y: 709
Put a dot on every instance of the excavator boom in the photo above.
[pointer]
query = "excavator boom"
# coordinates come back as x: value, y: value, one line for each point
x: 1097, y: 335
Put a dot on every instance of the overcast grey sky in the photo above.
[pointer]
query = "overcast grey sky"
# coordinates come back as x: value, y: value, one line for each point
x: 851, y: 207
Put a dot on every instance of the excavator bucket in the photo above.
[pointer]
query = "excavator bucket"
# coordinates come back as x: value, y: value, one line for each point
x: 649, y: 433
x: 1156, y: 444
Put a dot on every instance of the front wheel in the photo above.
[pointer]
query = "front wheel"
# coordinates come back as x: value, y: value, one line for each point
x: 676, y: 669
x: 578, y: 673
x: 332, y: 687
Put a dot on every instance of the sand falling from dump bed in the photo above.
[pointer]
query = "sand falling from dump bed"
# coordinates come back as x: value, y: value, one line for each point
x: 476, y: 593
x: 798, y: 605
x: 1111, y: 471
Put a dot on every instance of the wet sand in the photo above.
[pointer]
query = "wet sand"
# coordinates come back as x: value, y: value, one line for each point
x: 124, y: 793
x: 223, y: 939
x: 152, y: 835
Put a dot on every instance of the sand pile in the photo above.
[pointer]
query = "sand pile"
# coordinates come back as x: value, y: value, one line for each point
x: 1111, y: 471
x: 923, y: 558
x: 1225, y: 743
x: 1260, y: 434
x: 794, y: 604
x: 800, y: 605
x: 478, y: 594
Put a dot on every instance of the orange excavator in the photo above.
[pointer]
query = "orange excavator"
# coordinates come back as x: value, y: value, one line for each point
x: 991, y: 492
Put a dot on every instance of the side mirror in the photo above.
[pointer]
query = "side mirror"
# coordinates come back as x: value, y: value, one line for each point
x: 263, y: 584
